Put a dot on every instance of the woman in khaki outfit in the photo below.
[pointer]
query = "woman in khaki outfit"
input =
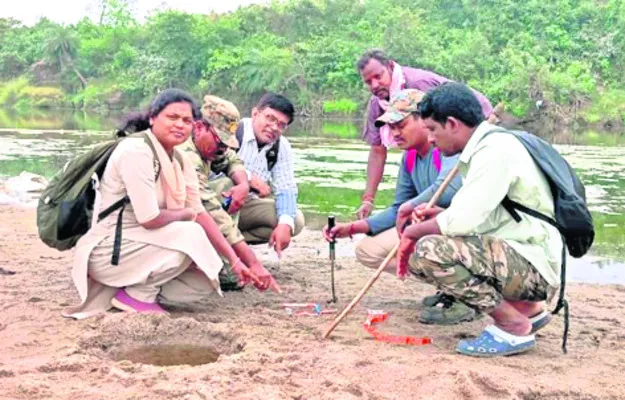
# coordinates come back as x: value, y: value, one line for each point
x: 169, y: 241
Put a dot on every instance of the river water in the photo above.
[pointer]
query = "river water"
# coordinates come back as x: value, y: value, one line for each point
x: 330, y: 163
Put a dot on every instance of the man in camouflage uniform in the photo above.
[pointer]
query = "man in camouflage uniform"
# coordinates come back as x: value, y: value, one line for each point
x: 475, y: 250
x: 211, y: 151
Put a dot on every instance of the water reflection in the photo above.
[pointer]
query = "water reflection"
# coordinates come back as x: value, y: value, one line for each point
x: 58, y: 119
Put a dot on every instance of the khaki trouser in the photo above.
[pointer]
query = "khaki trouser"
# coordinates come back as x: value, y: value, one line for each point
x: 480, y: 271
x: 143, y: 268
x: 372, y: 250
x: 258, y: 219
x: 192, y: 285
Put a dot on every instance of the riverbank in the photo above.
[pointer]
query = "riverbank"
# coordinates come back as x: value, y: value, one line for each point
x: 265, y: 353
x: 23, y: 101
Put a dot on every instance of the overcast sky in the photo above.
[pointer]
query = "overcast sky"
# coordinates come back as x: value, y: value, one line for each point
x: 71, y: 11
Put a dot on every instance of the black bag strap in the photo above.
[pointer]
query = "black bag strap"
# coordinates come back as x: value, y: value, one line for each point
x: 178, y: 157
x: 117, y: 242
x: 272, y: 154
x: 113, y: 207
x: 157, y: 163
x: 562, y: 303
x: 239, y: 133
x: 511, y: 206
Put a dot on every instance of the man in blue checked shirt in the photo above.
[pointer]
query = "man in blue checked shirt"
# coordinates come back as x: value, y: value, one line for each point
x: 270, y: 214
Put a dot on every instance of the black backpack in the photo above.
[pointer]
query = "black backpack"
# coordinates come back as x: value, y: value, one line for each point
x: 272, y: 153
x: 65, y: 208
x: 572, y: 217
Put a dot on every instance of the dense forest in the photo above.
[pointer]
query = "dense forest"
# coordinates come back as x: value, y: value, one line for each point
x: 568, y: 54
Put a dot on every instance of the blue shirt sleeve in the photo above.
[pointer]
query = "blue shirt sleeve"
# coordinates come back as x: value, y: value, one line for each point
x: 283, y: 181
x: 286, y: 204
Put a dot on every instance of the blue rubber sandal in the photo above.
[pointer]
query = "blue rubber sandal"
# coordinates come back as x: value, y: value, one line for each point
x: 540, y: 320
x: 494, y: 342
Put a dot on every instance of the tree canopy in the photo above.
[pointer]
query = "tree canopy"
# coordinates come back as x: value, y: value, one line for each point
x: 568, y: 52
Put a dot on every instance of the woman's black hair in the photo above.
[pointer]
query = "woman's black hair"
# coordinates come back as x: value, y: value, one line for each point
x: 140, y: 121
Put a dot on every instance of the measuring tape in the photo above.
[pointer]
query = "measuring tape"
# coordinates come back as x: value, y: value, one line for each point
x: 379, y: 316
x: 306, y: 309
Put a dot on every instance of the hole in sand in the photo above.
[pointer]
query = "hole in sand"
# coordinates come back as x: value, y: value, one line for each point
x: 168, y: 354
x: 160, y: 340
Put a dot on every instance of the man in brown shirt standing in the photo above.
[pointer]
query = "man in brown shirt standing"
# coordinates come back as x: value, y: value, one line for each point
x: 384, y: 77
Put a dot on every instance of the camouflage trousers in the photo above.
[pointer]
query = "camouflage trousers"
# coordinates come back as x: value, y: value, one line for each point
x: 228, y: 225
x: 480, y: 271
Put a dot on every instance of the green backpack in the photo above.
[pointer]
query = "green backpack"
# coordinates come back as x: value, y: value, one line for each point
x: 65, y: 208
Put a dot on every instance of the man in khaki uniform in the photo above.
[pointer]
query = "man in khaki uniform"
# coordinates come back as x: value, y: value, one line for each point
x: 211, y: 152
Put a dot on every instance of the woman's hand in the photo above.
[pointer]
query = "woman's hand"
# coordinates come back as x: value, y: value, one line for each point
x: 265, y: 277
x: 188, y: 214
x: 244, y: 274
x: 166, y: 217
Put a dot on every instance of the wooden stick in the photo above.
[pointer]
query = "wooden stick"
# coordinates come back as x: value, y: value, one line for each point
x: 388, y: 258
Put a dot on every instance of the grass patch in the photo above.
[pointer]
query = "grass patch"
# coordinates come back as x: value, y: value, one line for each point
x: 340, y: 106
x: 337, y: 201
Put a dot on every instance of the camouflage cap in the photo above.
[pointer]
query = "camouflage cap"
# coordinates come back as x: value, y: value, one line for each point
x: 224, y: 117
x: 401, y: 105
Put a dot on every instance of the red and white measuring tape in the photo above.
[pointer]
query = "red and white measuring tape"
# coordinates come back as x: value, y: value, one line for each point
x: 378, y: 316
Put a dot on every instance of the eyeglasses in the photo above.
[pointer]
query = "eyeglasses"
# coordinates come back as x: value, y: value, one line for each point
x: 275, y: 121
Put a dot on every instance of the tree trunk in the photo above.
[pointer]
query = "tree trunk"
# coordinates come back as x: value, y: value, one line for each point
x: 102, y: 13
x: 79, y: 75
x: 70, y: 63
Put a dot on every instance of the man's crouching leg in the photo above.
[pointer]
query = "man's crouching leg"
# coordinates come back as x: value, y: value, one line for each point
x: 372, y: 250
x: 258, y: 219
x: 449, y: 310
x: 489, y: 276
x: 439, y: 308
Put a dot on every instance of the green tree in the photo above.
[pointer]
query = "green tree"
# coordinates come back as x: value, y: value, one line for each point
x: 568, y: 53
x: 62, y: 47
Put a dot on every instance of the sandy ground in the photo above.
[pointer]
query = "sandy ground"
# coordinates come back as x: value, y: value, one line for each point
x: 265, y: 353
